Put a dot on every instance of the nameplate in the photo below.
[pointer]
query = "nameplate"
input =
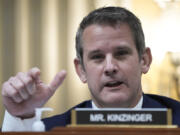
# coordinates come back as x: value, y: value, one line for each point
x: 121, y: 117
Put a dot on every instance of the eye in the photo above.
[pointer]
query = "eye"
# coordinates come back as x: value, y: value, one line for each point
x: 121, y: 54
x: 97, y: 57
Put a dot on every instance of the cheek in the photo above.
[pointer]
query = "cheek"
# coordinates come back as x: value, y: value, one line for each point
x: 134, y: 76
x: 132, y: 69
x: 93, y: 71
x: 94, y: 75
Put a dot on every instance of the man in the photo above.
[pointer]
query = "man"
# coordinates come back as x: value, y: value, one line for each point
x: 111, y: 58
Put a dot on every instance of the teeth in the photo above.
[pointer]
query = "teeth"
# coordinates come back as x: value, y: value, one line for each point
x: 112, y: 84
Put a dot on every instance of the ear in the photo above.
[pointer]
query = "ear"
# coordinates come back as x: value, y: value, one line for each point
x: 146, y: 60
x: 80, y: 70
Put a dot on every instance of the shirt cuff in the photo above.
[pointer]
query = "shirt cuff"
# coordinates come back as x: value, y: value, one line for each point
x: 12, y: 123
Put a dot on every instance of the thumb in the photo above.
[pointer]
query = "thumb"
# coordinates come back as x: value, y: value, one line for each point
x: 58, y: 79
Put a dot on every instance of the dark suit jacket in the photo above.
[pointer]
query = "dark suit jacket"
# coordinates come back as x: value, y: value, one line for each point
x: 149, y: 101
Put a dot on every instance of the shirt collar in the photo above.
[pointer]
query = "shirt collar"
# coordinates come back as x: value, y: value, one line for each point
x: 138, y: 106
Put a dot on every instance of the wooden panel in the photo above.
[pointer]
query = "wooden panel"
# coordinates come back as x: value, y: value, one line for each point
x: 102, y: 131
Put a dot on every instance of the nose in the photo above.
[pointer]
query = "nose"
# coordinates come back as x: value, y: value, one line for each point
x: 111, y: 67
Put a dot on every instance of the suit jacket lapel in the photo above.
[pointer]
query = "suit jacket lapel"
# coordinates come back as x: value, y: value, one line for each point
x: 149, y: 102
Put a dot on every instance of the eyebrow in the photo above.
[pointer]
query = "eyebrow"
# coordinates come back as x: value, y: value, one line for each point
x: 123, y: 48
x: 116, y: 49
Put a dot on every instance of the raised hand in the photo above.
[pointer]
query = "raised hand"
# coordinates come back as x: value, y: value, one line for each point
x: 25, y: 92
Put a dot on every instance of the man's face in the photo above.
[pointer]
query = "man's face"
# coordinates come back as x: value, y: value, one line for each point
x: 112, y: 67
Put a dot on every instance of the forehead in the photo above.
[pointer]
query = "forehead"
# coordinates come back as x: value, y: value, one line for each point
x: 97, y: 36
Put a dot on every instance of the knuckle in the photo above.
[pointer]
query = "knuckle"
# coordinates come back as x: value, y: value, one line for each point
x: 3, y: 92
x: 11, y: 78
x: 25, y: 78
x: 29, y: 80
x: 13, y: 93
x: 5, y: 89
x: 19, y: 74
x: 4, y: 85
x: 20, y: 86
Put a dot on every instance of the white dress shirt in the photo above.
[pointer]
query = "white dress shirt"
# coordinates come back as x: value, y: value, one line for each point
x: 138, y: 106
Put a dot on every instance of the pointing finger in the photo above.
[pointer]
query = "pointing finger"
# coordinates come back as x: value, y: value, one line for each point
x: 58, y: 79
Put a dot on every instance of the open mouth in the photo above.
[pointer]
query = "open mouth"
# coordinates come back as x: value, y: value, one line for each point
x: 113, y: 84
